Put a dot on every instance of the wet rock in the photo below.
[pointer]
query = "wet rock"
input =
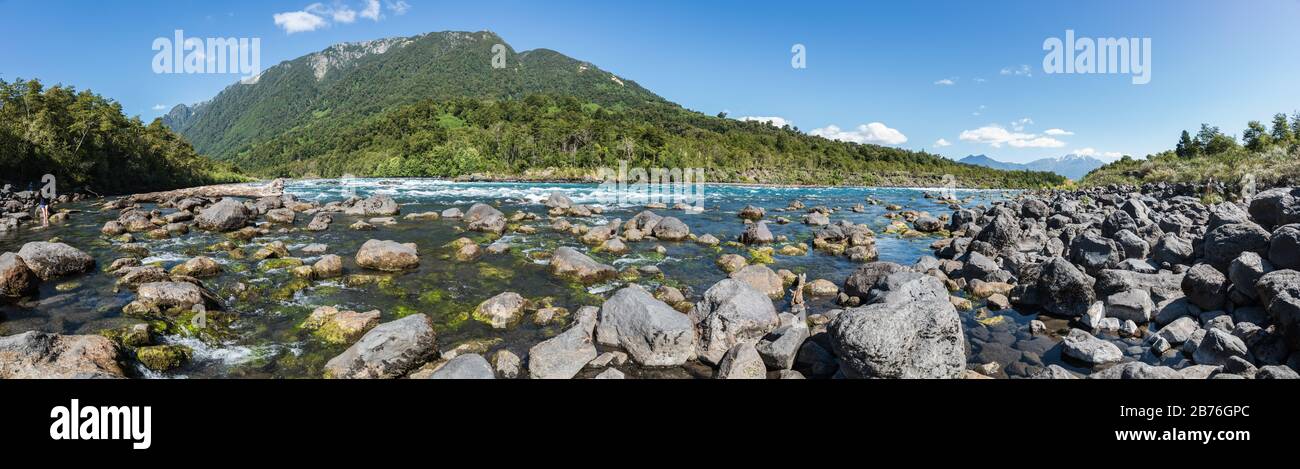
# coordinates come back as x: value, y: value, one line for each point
x: 912, y: 332
x: 862, y: 280
x: 506, y: 364
x: 927, y: 224
x: 390, y: 350
x: 821, y: 287
x: 1083, y: 346
x: 568, y: 262
x: 1276, y: 372
x: 501, y: 311
x: 328, y: 266
x: 163, y: 357
x: 671, y: 229
x: 40, y: 355
x: 757, y: 233
x: 165, y: 295
x: 452, y: 213
x: 558, y: 200
x: 763, y: 279
x: 389, y: 256
x: 731, y: 263
x: 198, y: 267
x: 751, y: 212
x: 320, y: 222
x: 485, y: 218
x: 282, y: 216
x: 816, y: 219
x: 1054, y: 372
x: 465, y: 366
x: 653, y: 333
x: 610, y: 374
x: 226, y: 215
x: 340, y: 327
x: 742, y: 362
x: 708, y: 240
x: 376, y: 205
x: 732, y: 312
x: 599, y: 234
x: 563, y: 356
x: 52, y: 260
x: 1205, y: 287
x: 16, y: 279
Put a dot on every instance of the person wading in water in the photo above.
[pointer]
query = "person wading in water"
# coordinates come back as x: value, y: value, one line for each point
x: 43, y: 210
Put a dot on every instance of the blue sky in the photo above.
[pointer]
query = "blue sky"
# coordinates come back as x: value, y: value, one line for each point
x: 875, y: 70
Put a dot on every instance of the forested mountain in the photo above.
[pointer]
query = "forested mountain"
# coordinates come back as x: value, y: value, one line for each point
x: 85, y: 141
x: 1073, y: 166
x: 434, y: 105
x: 352, y: 80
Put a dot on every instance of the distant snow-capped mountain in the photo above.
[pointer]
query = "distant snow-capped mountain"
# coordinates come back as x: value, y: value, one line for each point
x: 1073, y: 166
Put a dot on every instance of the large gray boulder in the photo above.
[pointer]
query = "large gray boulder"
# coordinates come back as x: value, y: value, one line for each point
x: 1083, y: 346
x: 671, y: 229
x: 1206, y: 287
x: 226, y: 215
x: 466, y: 366
x: 1003, y: 232
x: 563, y: 356
x: 1218, y: 346
x: 913, y: 332
x: 731, y: 312
x: 757, y: 233
x: 761, y: 278
x: 862, y: 280
x: 1172, y: 250
x: 52, y: 260
x: 390, y: 350
x: 1063, y: 289
x: 376, y: 205
x: 568, y: 262
x: 485, y: 218
x: 742, y: 362
x: 16, y: 279
x: 1227, y: 242
x: 653, y: 333
x: 388, y: 256
x: 1284, y: 247
x: 41, y: 355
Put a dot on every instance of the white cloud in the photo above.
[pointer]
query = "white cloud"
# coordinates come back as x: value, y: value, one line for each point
x: 996, y: 136
x: 343, y: 14
x: 298, y: 21
x: 874, y: 132
x: 946, y: 82
x: 159, y: 107
x: 1021, y: 71
x: 372, y: 10
x: 399, y: 7
x: 1058, y: 132
x: 1019, y: 125
x: 774, y: 121
x: 942, y: 143
x: 1106, y: 155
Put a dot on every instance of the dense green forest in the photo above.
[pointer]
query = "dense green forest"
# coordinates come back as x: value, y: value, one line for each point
x: 522, y: 138
x: 435, y: 105
x: 87, y: 143
x: 1267, y: 154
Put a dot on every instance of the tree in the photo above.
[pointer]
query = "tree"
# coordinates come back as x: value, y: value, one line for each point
x: 1295, y: 125
x: 1186, y: 148
x: 1282, y: 134
x: 1211, y: 141
x: 1256, y: 137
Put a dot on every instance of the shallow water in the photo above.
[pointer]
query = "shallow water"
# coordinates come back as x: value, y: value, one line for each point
x: 264, y: 340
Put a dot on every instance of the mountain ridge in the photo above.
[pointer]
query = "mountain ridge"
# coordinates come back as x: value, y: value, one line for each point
x: 1071, y: 165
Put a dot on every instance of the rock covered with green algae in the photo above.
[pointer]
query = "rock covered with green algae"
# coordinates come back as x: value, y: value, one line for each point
x: 389, y: 350
x: 163, y: 357
x: 340, y: 327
